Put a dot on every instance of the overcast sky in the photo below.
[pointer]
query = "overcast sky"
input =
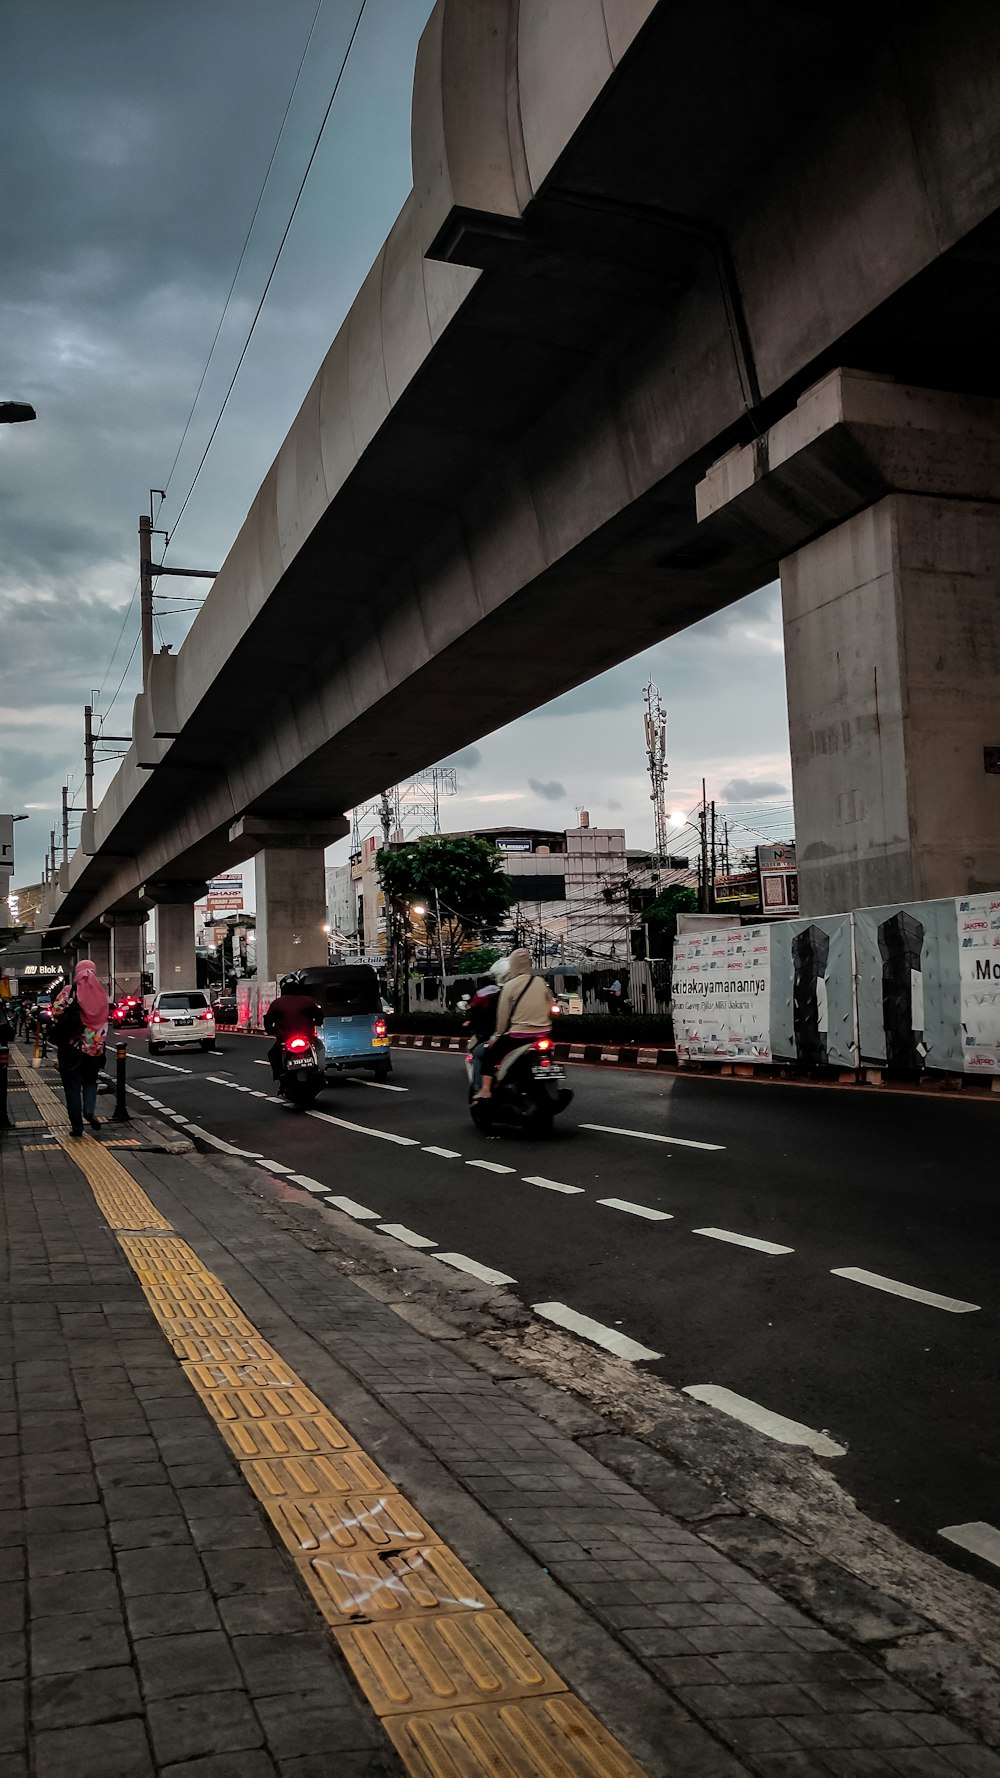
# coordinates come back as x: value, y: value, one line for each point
x: 134, y: 140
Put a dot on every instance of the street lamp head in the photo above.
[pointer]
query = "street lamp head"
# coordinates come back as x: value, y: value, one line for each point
x: 417, y: 908
x: 13, y: 411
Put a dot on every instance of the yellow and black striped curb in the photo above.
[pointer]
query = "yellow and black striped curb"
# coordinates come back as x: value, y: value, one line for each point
x: 461, y: 1692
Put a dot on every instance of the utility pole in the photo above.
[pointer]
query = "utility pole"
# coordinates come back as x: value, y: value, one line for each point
x: 65, y: 823
x: 711, y: 899
x: 146, y: 591
x: 437, y: 910
x: 88, y: 756
x: 52, y: 855
x: 703, y: 823
x: 655, y: 725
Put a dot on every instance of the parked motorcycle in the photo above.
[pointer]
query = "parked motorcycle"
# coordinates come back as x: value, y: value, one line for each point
x: 301, y: 1075
x: 529, y: 1090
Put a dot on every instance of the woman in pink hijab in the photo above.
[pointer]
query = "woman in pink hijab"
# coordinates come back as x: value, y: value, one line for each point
x: 80, y: 1028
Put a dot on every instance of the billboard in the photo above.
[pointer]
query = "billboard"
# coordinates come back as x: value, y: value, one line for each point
x: 928, y: 984
x: 778, y: 871
x: 225, y: 894
x: 721, y: 995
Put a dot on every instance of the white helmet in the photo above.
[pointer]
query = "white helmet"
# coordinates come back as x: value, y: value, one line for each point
x: 500, y: 969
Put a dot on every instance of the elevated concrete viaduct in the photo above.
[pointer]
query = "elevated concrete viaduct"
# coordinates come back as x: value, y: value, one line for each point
x: 640, y: 234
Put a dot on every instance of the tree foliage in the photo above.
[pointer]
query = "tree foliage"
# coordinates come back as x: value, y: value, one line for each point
x: 468, y: 876
x: 660, y: 918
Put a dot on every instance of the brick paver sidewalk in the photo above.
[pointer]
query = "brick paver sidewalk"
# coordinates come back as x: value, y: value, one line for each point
x: 152, y: 1623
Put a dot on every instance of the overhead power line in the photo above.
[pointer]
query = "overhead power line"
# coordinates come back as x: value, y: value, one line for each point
x: 243, y: 250
x: 274, y: 267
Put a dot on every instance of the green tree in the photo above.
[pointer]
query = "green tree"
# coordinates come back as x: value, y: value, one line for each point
x: 660, y: 918
x: 466, y: 876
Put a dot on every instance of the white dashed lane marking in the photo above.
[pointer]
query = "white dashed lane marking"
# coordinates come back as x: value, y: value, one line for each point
x: 636, y: 1209
x: 776, y: 1426
x: 274, y: 1166
x: 595, y: 1331
x: 462, y: 1263
x: 977, y: 1537
x: 744, y: 1240
x: 446, y: 1154
x: 650, y: 1136
x: 381, y: 1086
x: 307, y: 1184
x: 351, y: 1208
x: 953, y: 1304
x: 550, y: 1185
x: 174, y: 1067
x: 491, y: 1166
x: 343, y: 1123
x: 400, y: 1232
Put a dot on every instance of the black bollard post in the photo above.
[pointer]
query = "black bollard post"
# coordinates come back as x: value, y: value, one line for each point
x: 6, y: 1123
x: 120, y: 1114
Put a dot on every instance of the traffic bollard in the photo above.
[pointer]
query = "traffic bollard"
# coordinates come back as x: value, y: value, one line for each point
x: 6, y: 1122
x: 120, y: 1114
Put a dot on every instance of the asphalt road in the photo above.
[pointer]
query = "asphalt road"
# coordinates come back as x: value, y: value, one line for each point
x: 893, y: 1186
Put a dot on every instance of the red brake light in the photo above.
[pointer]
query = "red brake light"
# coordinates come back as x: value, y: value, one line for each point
x: 156, y: 1018
x: 380, y: 1027
x: 297, y: 1044
x: 543, y: 1043
x: 206, y: 1015
x: 556, y: 1008
x: 130, y: 1000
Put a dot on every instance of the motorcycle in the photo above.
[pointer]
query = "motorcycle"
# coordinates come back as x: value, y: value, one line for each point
x: 301, y: 1075
x: 529, y: 1090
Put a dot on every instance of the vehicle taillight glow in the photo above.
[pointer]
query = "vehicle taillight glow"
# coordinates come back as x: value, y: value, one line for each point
x: 556, y: 1008
x: 156, y: 1018
x: 297, y: 1044
x: 380, y: 1027
x: 206, y: 1015
x: 544, y: 1043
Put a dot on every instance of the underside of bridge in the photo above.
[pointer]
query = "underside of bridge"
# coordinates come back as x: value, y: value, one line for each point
x: 639, y: 235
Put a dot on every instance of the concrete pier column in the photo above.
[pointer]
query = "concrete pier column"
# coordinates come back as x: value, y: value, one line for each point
x: 97, y: 946
x: 882, y: 506
x: 175, y: 958
x: 128, y: 950
x: 291, y: 910
x: 291, y: 887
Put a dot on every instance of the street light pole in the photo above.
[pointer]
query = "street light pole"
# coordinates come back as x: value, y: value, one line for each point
x: 146, y: 591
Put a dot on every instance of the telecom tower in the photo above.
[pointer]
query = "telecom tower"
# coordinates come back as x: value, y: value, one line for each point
x: 655, y: 722
x: 412, y: 810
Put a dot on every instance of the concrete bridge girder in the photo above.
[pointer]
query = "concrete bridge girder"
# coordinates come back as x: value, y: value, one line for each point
x: 596, y: 287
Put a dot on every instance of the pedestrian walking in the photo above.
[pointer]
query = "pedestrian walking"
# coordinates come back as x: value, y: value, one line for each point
x: 80, y: 1029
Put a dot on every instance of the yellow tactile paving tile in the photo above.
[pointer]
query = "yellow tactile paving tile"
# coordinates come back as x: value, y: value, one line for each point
x: 315, y: 1478
x: 229, y: 1373
x: 554, y: 1737
x: 479, y: 1657
x: 366, y: 1524
x: 422, y: 1582
x: 247, y: 1402
x: 462, y: 1692
x: 233, y: 1343
x: 306, y: 1437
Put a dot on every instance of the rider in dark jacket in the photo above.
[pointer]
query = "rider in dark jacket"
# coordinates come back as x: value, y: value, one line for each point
x: 295, y: 1013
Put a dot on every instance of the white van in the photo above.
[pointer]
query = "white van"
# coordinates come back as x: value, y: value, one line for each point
x: 181, y: 1015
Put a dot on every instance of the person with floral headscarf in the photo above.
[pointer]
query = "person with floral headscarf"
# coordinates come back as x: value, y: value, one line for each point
x: 80, y: 1029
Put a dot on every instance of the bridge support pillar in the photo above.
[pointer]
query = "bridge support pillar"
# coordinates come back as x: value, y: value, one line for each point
x: 128, y: 951
x: 175, y: 957
x: 882, y: 505
x: 291, y: 910
x: 96, y: 945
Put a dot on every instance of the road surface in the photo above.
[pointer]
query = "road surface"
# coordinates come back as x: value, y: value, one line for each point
x: 826, y: 1256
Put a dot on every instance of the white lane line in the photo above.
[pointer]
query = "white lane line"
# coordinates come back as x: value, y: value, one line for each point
x: 217, y: 1080
x: 177, y: 1117
x: 776, y: 1426
x: 261, y: 1061
x: 550, y: 1185
x: 637, y: 1209
x: 446, y: 1154
x: 978, y: 1537
x: 858, y: 1275
x: 174, y: 1067
x: 608, y: 1337
x: 245, y: 1154
x: 307, y: 1184
x: 491, y: 1166
x: 400, y: 1232
x: 462, y: 1263
x: 743, y: 1240
x: 649, y: 1136
x: 274, y: 1166
x: 351, y: 1208
x: 363, y: 1130
x: 381, y: 1086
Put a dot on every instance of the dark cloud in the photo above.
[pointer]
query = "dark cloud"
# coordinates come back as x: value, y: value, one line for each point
x: 613, y: 803
x: 550, y: 792
x: 751, y: 790
x: 464, y: 760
